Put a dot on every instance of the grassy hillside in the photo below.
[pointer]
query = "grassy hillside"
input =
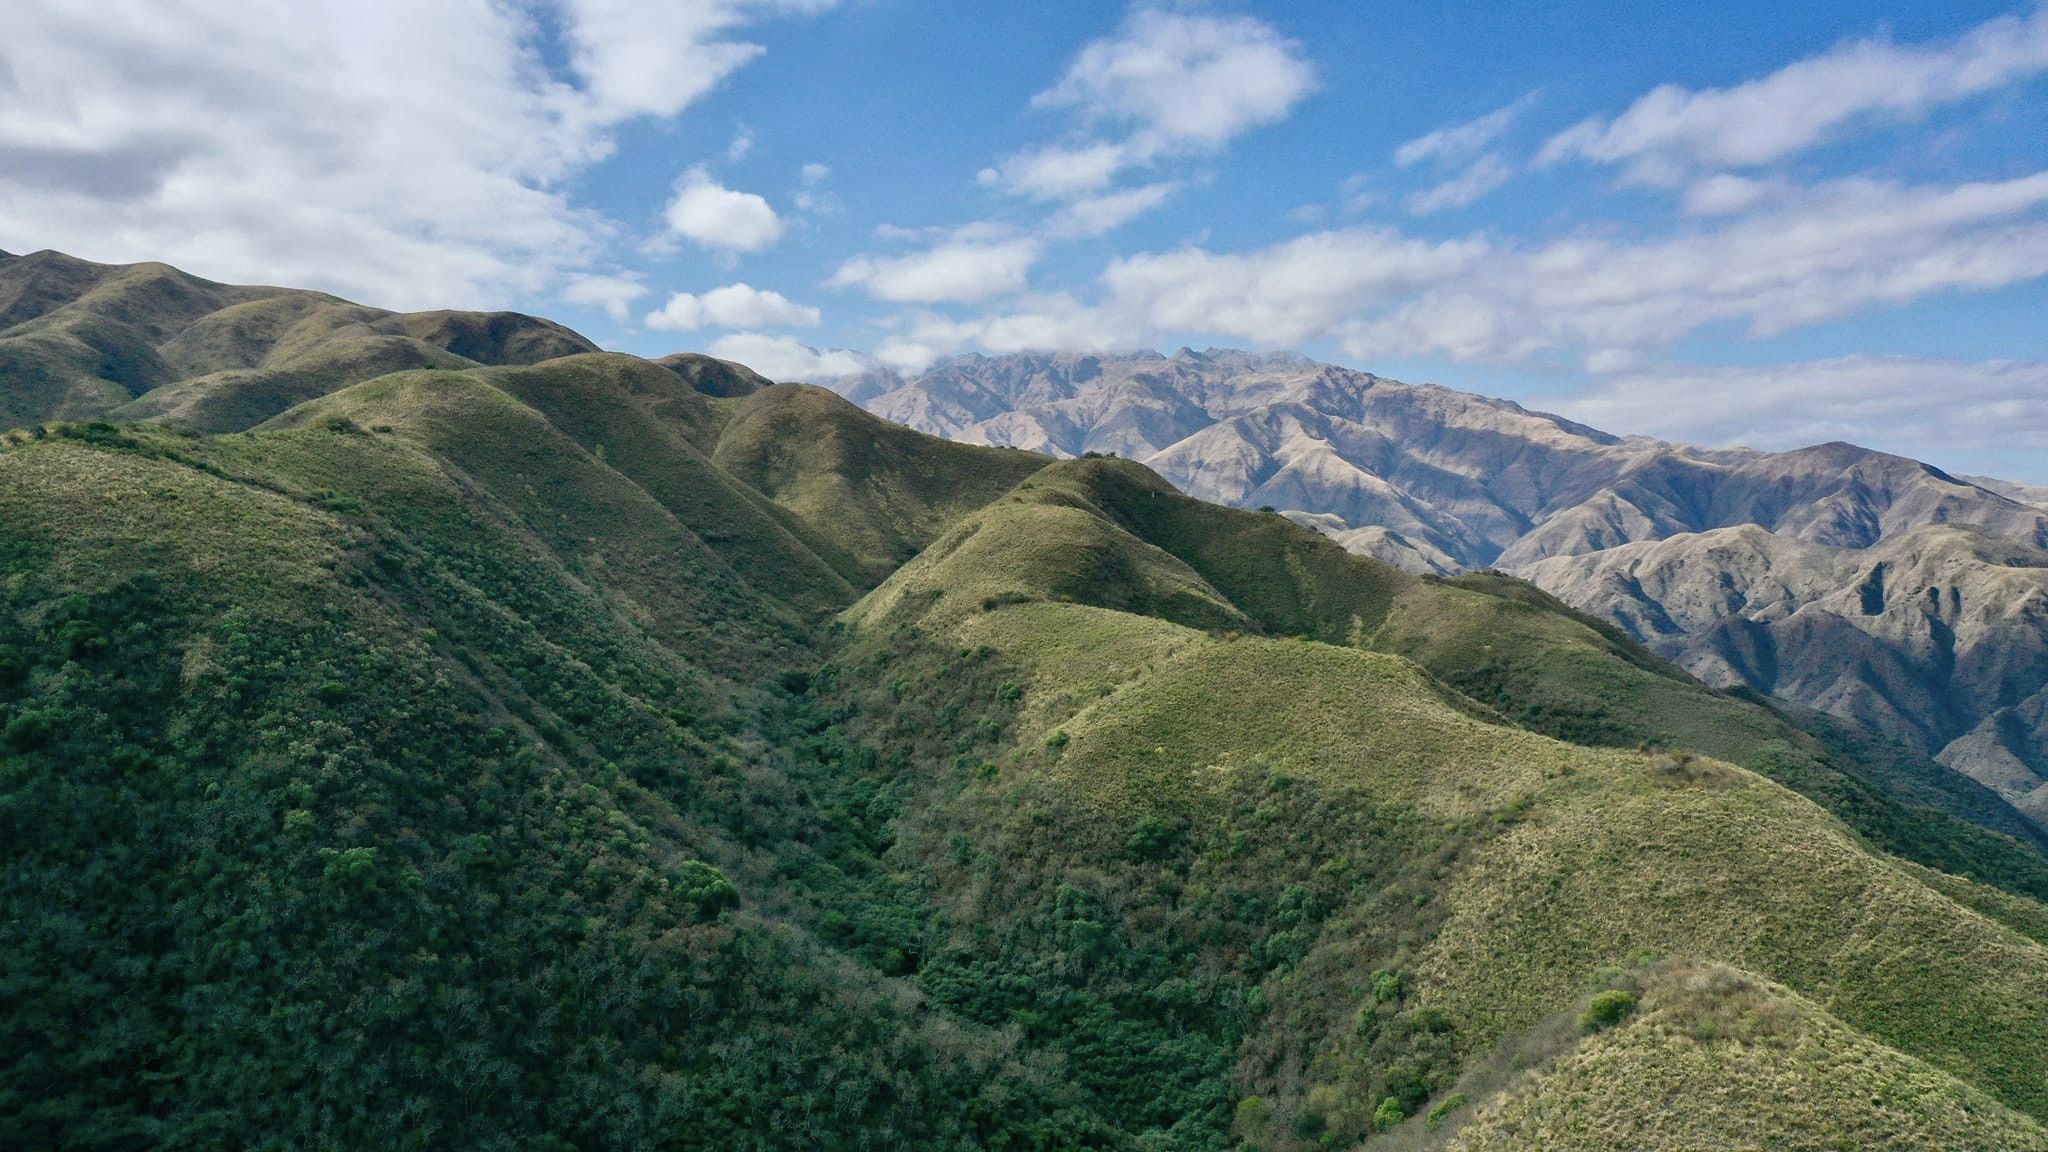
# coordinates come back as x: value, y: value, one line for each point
x: 148, y: 342
x: 878, y: 491
x: 609, y: 754
x: 1499, y: 642
x: 1782, y: 1073
x: 1350, y: 890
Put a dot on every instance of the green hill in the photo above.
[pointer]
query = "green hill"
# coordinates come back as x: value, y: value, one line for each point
x: 603, y: 753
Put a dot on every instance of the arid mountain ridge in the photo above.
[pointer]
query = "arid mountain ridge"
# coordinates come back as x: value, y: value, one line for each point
x: 1876, y: 588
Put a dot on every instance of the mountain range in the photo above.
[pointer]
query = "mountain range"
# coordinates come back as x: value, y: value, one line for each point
x: 542, y: 748
x: 1878, y: 589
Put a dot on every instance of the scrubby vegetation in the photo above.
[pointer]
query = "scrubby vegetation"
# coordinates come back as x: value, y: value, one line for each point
x: 571, y: 756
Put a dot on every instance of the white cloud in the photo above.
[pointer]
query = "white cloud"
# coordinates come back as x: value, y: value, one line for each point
x: 972, y: 264
x: 409, y: 153
x: 1724, y: 194
x: 787, y: 359
x: 1165, y: 83
x: 1816, y: 255
x: 1461, y: 141
x: 613, y: 293
x: 1036, y: 324
x: 733, y: 306
x: 1061, y: 171
x: 716, y: 217
x: 1289, y: 293
x: 1187, y: 77
x: 1480, y: 177
x: 1930, y: 409
x: 1097, y: 215
x: 742, y: 145
x: 1671, y: 130
x: 811, y: 174
x: 656, y: 59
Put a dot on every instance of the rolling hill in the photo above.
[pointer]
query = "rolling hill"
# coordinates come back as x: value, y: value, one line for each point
x: 605, y: 753
x: 1750, y: 569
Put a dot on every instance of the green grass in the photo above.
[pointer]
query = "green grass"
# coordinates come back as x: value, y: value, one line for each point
x: 878, y: 491
x: 1546, y: 864
x: 1759, y: 1068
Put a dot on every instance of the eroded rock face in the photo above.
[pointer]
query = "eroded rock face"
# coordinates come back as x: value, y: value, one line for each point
x: 1877, y: 588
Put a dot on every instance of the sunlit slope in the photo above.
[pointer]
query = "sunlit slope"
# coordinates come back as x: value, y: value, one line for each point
x: 877, y: 490
x: 1113, y: 534
x: 1524, y: 871
x: 1714, y: 1058
x: 593, y: 456
x: 149, y: 342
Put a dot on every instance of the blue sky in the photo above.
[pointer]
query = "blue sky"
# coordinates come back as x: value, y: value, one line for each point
x: 1732, y: 223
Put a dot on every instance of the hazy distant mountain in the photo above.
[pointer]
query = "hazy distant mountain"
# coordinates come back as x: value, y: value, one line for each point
x: 1874, y: 587
x: 2024, y: 493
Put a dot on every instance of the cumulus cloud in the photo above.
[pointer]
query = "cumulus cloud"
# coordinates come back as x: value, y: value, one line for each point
x: 1930, y: 409
x: 613, y: 293
x: 1187, y: 77
x: 1814, y: 255
x: 1167, y: 82
x: 412, y: 153
x: 970, y: 265
x: 1672, y: 130
x: 785, y: 358
x: 713, y: 216
x: 656, y: 59
x: 1462, y: 141
x: 1289, y: 293
x: 733, y: 306
x: 1826, y: 253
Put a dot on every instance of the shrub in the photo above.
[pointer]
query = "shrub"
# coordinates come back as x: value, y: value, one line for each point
x: 1607, y: 1009
x: 349, y: 865
x: 1152, y: 839
x: 81, y: 638
x: 706, y: 888
x: 32, y: 728
x: 1388, y: 1115
x: 1386, y: 986
x: 1445, y: 1107
x: 1252, y: 1114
